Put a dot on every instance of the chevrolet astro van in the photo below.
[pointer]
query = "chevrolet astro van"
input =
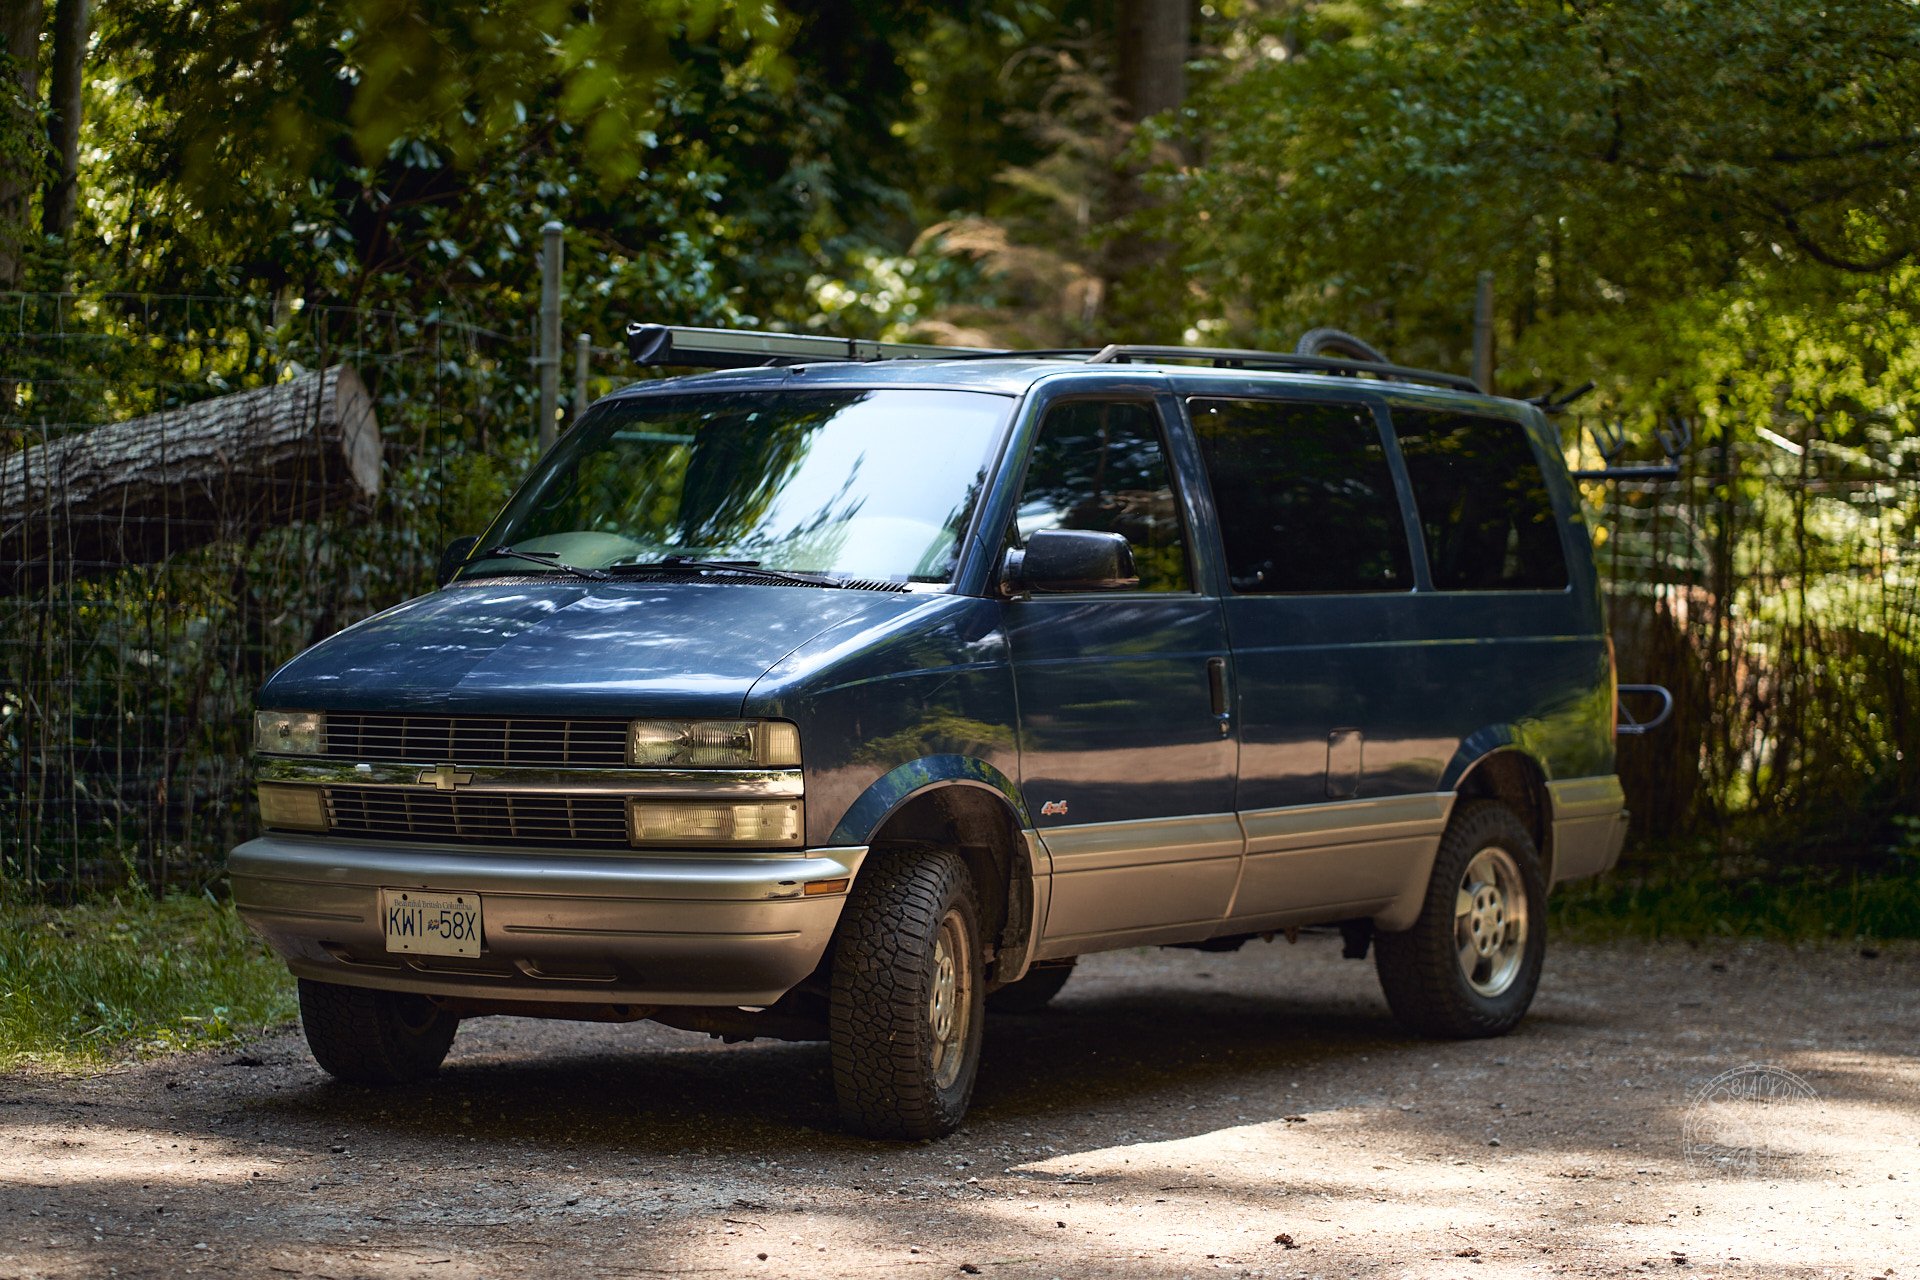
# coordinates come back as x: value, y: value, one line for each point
x: 851, y: 690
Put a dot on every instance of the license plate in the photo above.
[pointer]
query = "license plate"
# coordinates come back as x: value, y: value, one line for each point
x: 433, y: 924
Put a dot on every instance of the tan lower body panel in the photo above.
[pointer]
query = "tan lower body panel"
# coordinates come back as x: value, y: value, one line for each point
x: 1589, y: 825
x: 1352, y: 855
x: 1186, y: 879
x: 1119, y: 884
x: 1169, y: 880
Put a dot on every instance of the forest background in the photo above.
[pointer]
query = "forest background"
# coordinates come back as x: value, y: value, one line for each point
x: 1704, y: 207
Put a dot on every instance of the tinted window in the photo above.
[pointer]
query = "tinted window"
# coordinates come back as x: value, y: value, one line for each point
x: 1101, y: 466
x: 1305, y: 496
x: 1484, y: 509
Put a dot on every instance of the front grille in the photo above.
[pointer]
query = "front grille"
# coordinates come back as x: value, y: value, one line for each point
x: 471, y: 740
x: 398, y: 813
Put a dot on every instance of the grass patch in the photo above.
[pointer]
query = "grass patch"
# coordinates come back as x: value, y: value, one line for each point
x: 1798, y: 904
x: 91, y: 983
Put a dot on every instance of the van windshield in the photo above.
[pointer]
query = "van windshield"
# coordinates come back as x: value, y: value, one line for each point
x: 865, y: 484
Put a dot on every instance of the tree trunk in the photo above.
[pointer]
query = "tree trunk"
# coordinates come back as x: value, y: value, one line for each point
x: 1151, y: 57
x: 1153, y: 39
x: 138, y: 492
x: 20, y: 42
x: 72, y: 20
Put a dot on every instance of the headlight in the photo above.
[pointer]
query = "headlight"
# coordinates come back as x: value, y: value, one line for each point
x: 292, y: 808
x: 289, y: 733
x: 766, y: 823
x: 714, y: 744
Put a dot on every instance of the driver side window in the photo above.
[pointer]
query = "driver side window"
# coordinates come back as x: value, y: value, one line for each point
x: 1102, y: 466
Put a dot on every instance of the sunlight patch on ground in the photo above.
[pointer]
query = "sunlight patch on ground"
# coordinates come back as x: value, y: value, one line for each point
x: 1340, y: 1183
x: 42, y: 1156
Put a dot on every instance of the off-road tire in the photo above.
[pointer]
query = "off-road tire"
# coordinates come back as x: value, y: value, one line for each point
x: 1031, y: 993
x: 892, y: 1075
x: 1420, y: 968
x: 374, y: 1037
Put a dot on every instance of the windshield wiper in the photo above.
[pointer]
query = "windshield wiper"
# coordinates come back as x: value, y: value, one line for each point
x: 549, y: 559
x: 749, y: 567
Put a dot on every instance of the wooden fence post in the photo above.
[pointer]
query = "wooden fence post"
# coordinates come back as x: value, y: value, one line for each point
x: 551, y: 250
x: 582, y: 358
x: 1483, y: 331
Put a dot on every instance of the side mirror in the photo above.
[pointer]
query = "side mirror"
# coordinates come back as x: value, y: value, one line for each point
x: 1072, y: 560
x: 452, y: 558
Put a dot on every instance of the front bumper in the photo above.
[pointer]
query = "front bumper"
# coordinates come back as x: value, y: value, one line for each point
x: 664, y: 929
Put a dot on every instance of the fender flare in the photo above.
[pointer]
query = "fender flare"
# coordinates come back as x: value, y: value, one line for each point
x: 904, y: 782
x: 1476, y: 747
x: 1029, y: 874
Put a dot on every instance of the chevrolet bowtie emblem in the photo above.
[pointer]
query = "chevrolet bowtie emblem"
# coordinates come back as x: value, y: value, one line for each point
x: 444, y: 777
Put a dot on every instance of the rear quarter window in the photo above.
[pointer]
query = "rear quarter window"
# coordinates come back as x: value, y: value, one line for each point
x: 1484, y: 510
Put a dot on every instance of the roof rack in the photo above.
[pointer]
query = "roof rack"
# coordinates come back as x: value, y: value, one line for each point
x: 1241, y: 358
x: 672, y: 344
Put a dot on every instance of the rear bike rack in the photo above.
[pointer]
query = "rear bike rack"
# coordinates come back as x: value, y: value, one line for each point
x: 1612, y: 442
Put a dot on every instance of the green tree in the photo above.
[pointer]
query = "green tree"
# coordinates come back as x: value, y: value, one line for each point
x: 1598, y: 157
x: 21, y: 154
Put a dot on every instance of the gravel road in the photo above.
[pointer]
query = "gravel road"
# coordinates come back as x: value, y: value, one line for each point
x: 1174, y: 1114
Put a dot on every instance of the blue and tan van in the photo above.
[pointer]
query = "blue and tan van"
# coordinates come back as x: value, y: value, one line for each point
x: 850, y: 690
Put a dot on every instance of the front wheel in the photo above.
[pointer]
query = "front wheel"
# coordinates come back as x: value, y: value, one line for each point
x: 1470, y: 964
x: 905, y: 1018
x: 374, y: 1037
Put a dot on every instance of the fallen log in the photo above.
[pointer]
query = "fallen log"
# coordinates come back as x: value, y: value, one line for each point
x: 139, y: 491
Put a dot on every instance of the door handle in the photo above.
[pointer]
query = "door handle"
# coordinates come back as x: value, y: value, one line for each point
x: 1217, y: 688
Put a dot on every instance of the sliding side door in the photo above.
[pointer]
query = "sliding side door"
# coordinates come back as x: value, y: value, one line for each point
x: 1320, y: 591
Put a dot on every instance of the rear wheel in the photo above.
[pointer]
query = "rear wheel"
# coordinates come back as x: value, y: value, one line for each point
x: 1032, y: 993
x: 905, y: 1019
x: 1470, y: 964
x: 374, y: 1037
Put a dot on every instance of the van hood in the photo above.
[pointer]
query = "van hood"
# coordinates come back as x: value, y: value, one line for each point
x: 569, y: 648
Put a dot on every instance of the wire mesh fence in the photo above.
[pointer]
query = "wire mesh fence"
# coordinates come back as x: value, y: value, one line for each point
x: 191, y: 491
x: 1775, y: 588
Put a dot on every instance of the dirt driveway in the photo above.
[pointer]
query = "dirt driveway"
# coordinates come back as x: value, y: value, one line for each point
x: 1176, y: 1113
